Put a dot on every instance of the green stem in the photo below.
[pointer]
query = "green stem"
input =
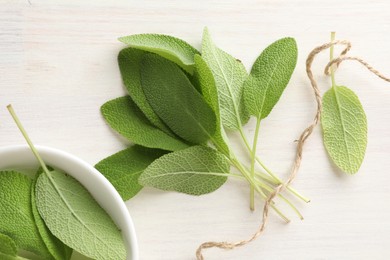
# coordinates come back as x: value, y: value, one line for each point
x: 332, y: 38
x: 251, y: 181
x: 28, y: 140
x: 274, y: 176
x: 253, y: 160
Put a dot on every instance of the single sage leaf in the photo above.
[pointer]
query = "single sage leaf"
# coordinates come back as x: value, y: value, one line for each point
x: 128, y: 60
x: 229, y: 75
x: 269, y: 76
x: 7, y: 245
x: 188, y: 171
x: 16, y: 217
x: 169, y: 47
x: 344, y: 126
x: 74, y: 217
x: 175, y: 100
x: 205, y: 80
x: 57, y: 249
x: 123, y: 168
x: 125, y: 118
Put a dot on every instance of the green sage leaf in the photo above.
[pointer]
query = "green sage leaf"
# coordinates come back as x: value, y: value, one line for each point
x: 125, y: 118
x: 344, y: 126
x: 188, y: 171
x: 129, y: 64
x: 124, y: 168
x: 175, y: 100
x: 229, y: 75
x: 205, y: 80
x: 74, y: 217
x: 7, y: 246
x: 171, y: 48
x: 57, y: 249
x: 16, y: 217
x: 269, y: 76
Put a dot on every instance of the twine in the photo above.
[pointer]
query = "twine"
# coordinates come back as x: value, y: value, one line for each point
x: 301, y: 141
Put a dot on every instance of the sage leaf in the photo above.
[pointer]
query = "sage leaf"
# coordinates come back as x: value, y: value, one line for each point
x: 205, y: 80
x: 175, y: 100
x: 125, y: 117
x: 269, y: 76
x: 128, y: 60
x: 7, y: 246
x: 344, y: 126
x: 16, y: 218
x: 229, y: 75
x: 57, y: 249
x: 188, y: 171
x: 74, y: 217
x: 171, y: 48
x: 123, y: 168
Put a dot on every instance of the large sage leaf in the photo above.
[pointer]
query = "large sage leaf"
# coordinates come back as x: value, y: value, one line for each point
x: 57, y: 249
x: 125, y: 118
x: 229, y: 75
x: 169, y: 47
x: 344, y: 126
x: 188, y: 171
x: 205, y: 80
x: 269, y: 76
x: 16, y: 217
x: 175, y: 100
x: 73, y: 216
x: 123, y: 168
x: 128, y: 60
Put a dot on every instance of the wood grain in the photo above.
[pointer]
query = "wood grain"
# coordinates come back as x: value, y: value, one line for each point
x: 58, y: 65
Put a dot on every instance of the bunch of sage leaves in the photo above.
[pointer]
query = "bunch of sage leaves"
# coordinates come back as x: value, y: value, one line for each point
x: 179, y: 105
x: 49, y: 214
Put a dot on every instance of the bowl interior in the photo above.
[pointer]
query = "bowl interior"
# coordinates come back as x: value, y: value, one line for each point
x: 21, y: 158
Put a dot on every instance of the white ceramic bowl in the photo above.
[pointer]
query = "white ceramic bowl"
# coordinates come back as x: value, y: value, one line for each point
x: 21, y: 157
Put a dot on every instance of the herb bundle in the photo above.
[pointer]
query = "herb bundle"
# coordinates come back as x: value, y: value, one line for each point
x: 52, y: 214
x: 181, y: 102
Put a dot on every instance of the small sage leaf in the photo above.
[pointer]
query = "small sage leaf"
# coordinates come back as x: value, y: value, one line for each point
x: 344, y: 126
x: 128, y: 60
x: 269, y: 76
x: 74, y: 217
x: 125, y: 118
x: 229, y: 75
x: 171, y: 48
x: 175, y: 100
x: 16, y: 217
x: 123, y: 168
x: 205, y: 80
x: 188, y: 171
x: 57, y: 249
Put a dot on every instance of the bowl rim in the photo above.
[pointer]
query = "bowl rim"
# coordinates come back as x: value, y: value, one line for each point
x: 131, y: 242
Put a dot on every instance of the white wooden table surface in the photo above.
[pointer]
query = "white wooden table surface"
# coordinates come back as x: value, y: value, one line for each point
x: 58, y: 65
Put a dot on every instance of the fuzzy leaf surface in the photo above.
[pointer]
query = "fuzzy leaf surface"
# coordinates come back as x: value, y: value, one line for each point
x: 129, y: 63
x: 16, y: 215
x: 171, y: 48
x: 229, y: 75
x: 124, y: 168
x: 187, y: 171
x: 74, y: 217
x: 269, y: 76
x: 175, y: 100
x: 57, y: 249
x: 205, y: 79
x: 125, y: 117
x: 344, y: 126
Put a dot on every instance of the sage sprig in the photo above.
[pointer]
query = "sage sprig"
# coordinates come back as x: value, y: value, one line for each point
x: 185, y: 99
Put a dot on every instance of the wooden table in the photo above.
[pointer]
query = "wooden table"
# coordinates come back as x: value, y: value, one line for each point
x: 58, y: 65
